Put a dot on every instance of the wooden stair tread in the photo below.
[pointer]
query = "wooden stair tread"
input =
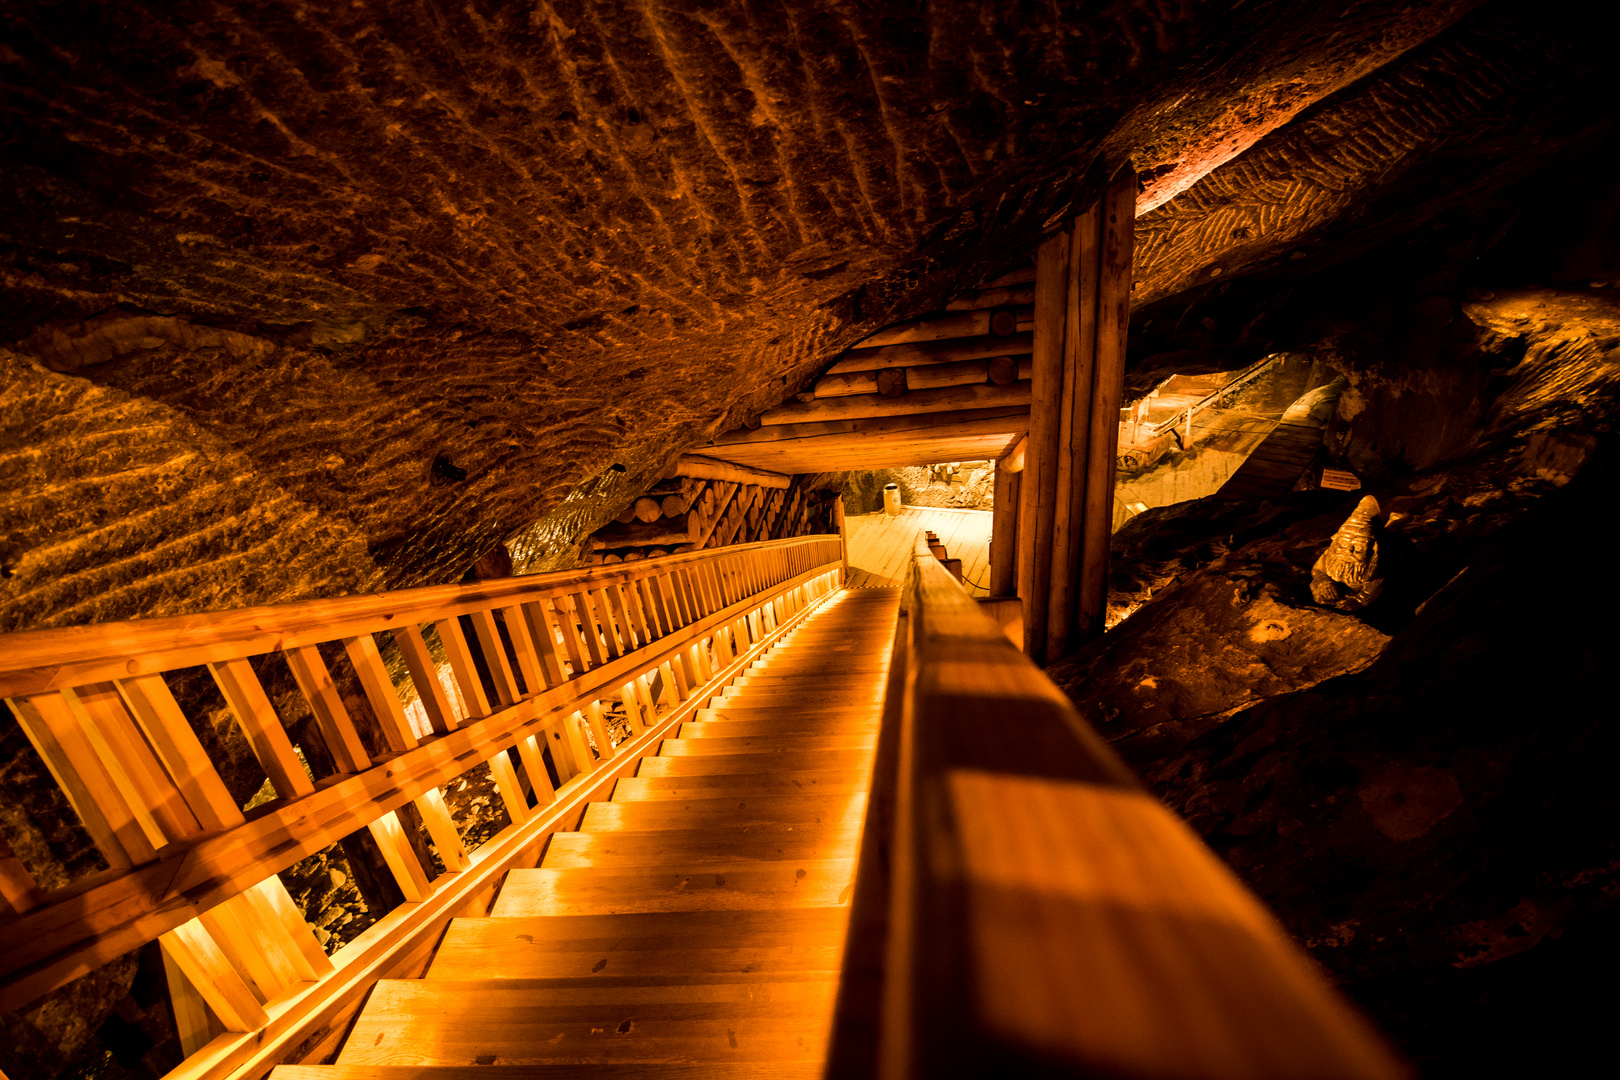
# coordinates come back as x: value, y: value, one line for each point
x: 764, y: 744
x: 699, y: 846
x: 740, y: 785
x: 753, y: 885
x: 795, y: 725
x: 803, y: 810
x: 855, y: 715
x: 715, y: 764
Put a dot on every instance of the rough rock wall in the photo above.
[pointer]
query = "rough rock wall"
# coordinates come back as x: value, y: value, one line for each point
x: 340, y: 297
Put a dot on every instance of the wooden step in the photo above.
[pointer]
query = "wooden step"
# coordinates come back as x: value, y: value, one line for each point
x: 740, y: 785
x: 739, y: 886
x: 716, y: 764
x: 860, y: 714
x: 794, y: 724
x: 859, y: 703
x: 701, y: 846
x: 643, y: 945
x: 772, y: 1070
x: 764, y: 744
x: 801, y: 810
x: 657, y: 1035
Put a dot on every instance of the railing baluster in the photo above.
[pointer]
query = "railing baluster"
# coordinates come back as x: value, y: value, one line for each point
x: 535, y: 766
x: 261, y: 725
x: 62, y: 744
x: 494, y: 653
x: 379, y: 691
x: 510, y: 790
x: 517, y: 628
x: 389, y: 833
x: 441, y: 715
x: 544, y: 636
x: 442, y: 830
x: 342, y: 740
x: 463, y: 668
x: 129, y: 761
x: 169, y: 734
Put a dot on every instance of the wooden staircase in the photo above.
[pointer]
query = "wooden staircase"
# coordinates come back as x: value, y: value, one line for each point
x: 694, y: 925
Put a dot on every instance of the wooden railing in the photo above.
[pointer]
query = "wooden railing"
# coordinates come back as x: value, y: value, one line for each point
x: 190, y: 868
x: 1050, y: 917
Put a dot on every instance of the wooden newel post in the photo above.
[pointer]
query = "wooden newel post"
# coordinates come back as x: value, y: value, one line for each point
x: 1038, y: 494
x: 1113, y: 322
x: 843, y: 535
x: 1004, y: 530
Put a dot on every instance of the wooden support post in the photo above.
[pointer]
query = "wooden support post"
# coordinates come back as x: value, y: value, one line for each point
x: 843, y: 532
x: 1039, y: 494
x: 1074, y: 413
x: 1113, y: 322
x: 1004, y: 533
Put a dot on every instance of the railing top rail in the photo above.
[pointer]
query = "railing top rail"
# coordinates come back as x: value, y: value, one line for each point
x: 1049, y: 916
x: 33, y: 661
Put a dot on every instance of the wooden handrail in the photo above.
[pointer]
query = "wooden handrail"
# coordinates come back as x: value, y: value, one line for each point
x: 190, y: 868
x: 1049, y: 916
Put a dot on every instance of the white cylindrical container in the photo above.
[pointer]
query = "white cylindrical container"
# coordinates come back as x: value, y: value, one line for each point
x: 891, y: 499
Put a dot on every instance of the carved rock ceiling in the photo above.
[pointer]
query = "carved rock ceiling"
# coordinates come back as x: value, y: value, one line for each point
x: 264, y: 264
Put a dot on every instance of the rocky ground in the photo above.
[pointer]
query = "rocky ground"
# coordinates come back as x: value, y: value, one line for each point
x: 1419, y: 789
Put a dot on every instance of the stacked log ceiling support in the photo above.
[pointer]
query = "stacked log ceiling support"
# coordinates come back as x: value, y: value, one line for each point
x: 1038, y: 493
x: 1081, y: 315
x: 1113, y: 323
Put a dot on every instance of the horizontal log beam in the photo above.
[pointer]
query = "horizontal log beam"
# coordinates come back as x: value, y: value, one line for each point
x: 934, y: 352
x: 892, y: 442
x: 946, y: 399
x: 1002, y: 296
x: 1001, y: 322
x: 664, y: 532
x: 1016, y: 416
x: 708, y: 468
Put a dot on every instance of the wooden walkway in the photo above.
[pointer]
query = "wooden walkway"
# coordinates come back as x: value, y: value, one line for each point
x: 694, y: 925
x: 881, y: 547
x: 1274, y: 467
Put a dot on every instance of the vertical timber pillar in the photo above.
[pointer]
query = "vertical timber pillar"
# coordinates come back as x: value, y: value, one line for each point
x: 1074, y: 423
x: 1113, y: 321
x: 1004, y: 527
x: 1039, y: 485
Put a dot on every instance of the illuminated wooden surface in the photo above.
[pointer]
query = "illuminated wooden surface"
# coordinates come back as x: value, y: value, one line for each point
x: 187, y: 867
x: 696, y: 921
x: 880, y: 546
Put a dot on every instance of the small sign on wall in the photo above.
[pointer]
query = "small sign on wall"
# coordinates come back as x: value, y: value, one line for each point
x: 1339, y: 480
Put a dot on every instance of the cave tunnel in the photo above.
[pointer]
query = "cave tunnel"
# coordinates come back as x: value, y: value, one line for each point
x: 412, y: 413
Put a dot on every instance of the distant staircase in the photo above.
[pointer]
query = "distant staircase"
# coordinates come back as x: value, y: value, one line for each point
x: 1276, y: 465
x: 694, y: 926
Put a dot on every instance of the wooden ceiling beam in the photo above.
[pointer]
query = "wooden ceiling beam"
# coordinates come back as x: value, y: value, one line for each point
x: 860, y: 406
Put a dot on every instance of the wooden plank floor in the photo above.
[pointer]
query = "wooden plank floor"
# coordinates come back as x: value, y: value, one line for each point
x: 880, y: 546
x: 694, y: 926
